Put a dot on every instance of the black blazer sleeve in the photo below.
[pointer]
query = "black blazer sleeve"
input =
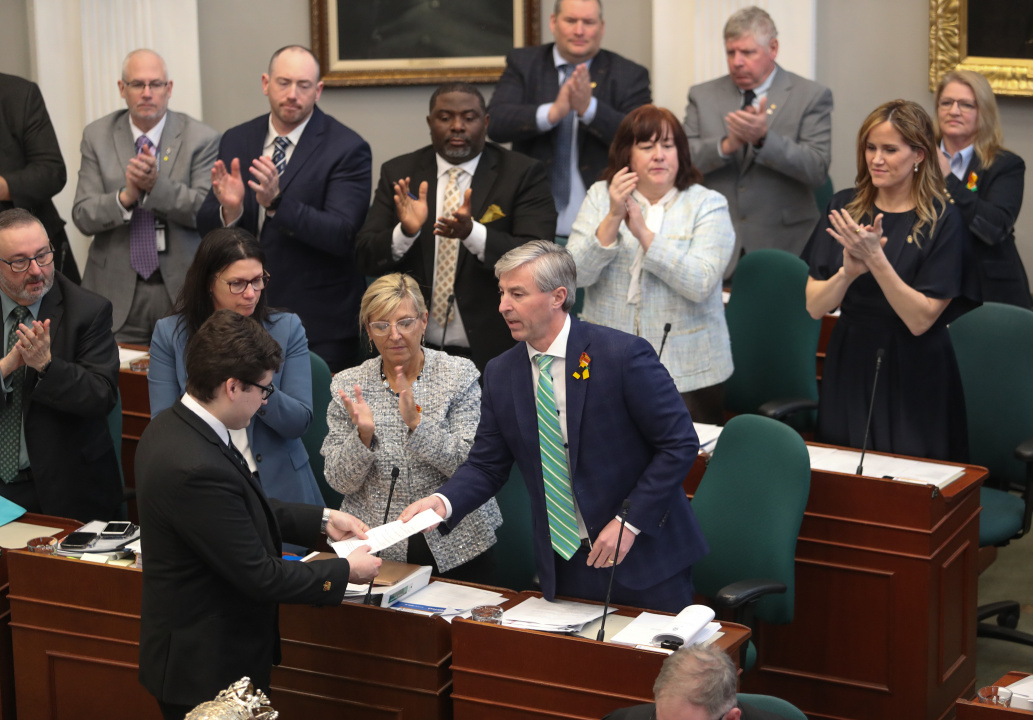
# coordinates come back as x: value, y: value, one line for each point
x: 990, y: 212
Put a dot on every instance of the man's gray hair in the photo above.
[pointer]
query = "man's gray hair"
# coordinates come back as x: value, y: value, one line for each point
x: 559, y: 3
x: 143, y: 51
x: 751, y: 21
x: 553, y: 267
x: 701, y: 675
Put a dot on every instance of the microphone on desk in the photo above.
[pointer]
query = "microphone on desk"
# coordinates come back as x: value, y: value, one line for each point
x: 663, y: 340
x: 601, y: 635
x: 448, y: 311
x: 390, y: 493
x: 868, y: 425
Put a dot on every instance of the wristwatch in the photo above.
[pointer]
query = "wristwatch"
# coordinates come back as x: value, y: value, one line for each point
x: 43, y: 370
x: 274, y: 204
x: 325, y: 521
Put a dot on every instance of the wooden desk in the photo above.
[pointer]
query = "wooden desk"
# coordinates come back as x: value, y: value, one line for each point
x: 507, y: 673
x: 7, y: 696
x: 76, y: 645
x: 971, y: 710
x: 885, y: 601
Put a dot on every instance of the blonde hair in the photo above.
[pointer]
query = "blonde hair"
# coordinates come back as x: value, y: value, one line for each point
x: 989, y: 138
x: 927, y: 185
x: 386, y: 293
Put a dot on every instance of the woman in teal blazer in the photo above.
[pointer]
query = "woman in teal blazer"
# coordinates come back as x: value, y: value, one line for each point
x: 229, y: 272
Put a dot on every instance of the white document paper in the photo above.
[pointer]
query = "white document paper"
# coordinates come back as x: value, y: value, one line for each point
x: 921, y: 472
x: 692, y: 625
x: 387, y: 535
x: 448, y: 599
x: 708, y: 435
x: 556, y: 616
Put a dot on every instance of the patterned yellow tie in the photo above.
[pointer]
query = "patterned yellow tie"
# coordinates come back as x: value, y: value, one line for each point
x: 448, y: 252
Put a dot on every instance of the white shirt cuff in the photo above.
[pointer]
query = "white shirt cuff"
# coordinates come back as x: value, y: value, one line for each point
x: 476, y: 240
x: 589, y: 115
x: 448, y: 505
x: 629, y: 526
x: 400, y: 242
x: 541, y: 117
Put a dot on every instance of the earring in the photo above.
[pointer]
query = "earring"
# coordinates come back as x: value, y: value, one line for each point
x: 370, y: 346
x: 423, y: 340
x: 916, y: 167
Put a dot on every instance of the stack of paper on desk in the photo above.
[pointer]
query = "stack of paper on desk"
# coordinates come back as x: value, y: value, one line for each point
x: 692, y: 625
x: 1022, y: 693
x: 921, y: 472
x: 448, y: 600
x: 564, y: 616
x: 708, y: 435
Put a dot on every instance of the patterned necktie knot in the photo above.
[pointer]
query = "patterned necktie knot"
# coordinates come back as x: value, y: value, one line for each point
x: 544, y: 362
x: 143, y: 142
x: 281, y: 143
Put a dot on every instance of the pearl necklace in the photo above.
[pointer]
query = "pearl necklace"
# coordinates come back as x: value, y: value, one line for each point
x: 387, y: 385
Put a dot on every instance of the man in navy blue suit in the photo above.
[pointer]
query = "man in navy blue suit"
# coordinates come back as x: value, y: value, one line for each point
x: 612, y: 426
x: 305, y: 199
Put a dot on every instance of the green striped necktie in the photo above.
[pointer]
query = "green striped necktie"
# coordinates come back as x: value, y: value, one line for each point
x: 559, y: 498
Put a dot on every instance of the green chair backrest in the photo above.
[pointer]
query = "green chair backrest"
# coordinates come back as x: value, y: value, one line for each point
x: 774, y: 340
x: 823, y: 195
x: 772, y: 704
x: 317, y: 431
x: 750, y: 504
x: 994, y: 347
x: 514, y: 551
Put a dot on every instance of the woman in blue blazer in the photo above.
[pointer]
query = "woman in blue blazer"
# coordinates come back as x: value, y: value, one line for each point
x: 228, y: 271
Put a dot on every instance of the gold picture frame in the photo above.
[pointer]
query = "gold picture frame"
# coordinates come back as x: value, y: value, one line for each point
x: 948, y: 50
x: 332, y: 19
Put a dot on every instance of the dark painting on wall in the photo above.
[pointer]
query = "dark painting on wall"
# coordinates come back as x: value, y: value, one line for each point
x: 1000, y: 29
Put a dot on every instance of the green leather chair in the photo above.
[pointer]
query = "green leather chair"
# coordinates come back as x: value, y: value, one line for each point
x: 823, y: 195
x: 772, y: 704
x: 514, y: 551
x: 750, y: 504
x: 774, y: 340
x: 317, y: 431
x: 994, y: 346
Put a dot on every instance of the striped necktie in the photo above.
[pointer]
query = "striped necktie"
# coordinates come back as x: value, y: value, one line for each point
x: 11, y: 413
x: 281, y: 143
x: 559, y: 498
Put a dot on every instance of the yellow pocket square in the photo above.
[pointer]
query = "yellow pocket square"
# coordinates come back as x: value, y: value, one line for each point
x: 494, y: 212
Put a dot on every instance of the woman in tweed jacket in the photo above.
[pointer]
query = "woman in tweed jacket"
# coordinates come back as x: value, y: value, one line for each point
x: 651, y: 246
x: 415, y: 409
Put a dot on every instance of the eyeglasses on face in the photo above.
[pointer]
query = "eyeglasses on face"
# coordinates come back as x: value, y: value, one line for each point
x: 963, y: 105
x: 382, y: 327
x: 238, y: 286
x: 22, y: 264
x: 153, y: 85
x: 267, y: 390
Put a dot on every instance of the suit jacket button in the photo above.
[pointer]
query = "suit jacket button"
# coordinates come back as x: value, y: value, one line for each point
x: 262, y: 411
x: 258, y: 458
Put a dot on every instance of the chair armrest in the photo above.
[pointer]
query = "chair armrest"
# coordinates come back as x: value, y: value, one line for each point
x: 784, y: 407
x: 1024, y: 451
x: 746, y: 591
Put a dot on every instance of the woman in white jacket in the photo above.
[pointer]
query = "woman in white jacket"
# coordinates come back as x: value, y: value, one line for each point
x: 651, y: 246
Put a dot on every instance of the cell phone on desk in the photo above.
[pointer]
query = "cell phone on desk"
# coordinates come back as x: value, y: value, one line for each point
x: 79, y: 541
x: 117, y: 530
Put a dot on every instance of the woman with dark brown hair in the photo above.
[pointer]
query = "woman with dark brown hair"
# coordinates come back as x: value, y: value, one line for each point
x: 651, y: 246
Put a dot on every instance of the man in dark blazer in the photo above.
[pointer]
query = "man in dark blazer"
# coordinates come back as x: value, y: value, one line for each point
x: 695, y: 683
x: 60, y: 381
x: 504, y: 201
x: 304, y: 201
x: 762, y: 137
x: 213, y: 573
x: 124, y: 191
x: 625, y: 435
x: 32, y: 170
x: 534, y: 110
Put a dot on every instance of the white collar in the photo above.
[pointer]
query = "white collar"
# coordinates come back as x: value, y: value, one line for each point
x: 558, y: 348
x: 469, y: 166
x: 202, y: 412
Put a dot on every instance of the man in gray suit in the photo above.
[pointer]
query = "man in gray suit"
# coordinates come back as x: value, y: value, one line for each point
x: 762, y: 137
x: 145, y: 172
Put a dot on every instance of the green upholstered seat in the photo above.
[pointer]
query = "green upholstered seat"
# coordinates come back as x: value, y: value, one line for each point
x: 773, y: 704
x: 750, y: 504
x: 514, y: 551
x: 774, y: 340
x: 317, y: 431
x: 994, y: 347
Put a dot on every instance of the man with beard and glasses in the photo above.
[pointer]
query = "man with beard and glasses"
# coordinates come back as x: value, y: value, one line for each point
x: 299, y: 181
x: 59, y: 382
x: 447, y: 212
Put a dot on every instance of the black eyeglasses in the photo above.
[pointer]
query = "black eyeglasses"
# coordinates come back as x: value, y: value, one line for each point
x: 22, y: 264
x: 237, y: 287
x: 267, y: 390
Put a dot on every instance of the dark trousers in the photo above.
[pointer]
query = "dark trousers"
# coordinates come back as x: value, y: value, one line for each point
x: 22, y: 491
x: 574, y: 578
x: 174, y: 712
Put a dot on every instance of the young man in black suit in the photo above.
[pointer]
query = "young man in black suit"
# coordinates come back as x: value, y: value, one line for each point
x: 499, y: 201
x: 213, y: 573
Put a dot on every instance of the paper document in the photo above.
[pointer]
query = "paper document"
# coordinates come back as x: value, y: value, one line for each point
x: 387, y: 535
x: 448, y: 600
x: 126, y: 356
x: 17, y: 534
x: 708, y: 435
x: 1022, y: 693
x: 921, y: 472
x: 692, y: 625
x: 556, y: 616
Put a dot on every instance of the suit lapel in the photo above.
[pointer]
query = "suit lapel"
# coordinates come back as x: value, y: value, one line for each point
x: 428, y: 168
x: 524, y: 403
x: 310, y: 140
x: 171, y: 138
x: 577, y: 343
x: 51, y: 308
x: 122, y: 139
x: 482, y: 184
